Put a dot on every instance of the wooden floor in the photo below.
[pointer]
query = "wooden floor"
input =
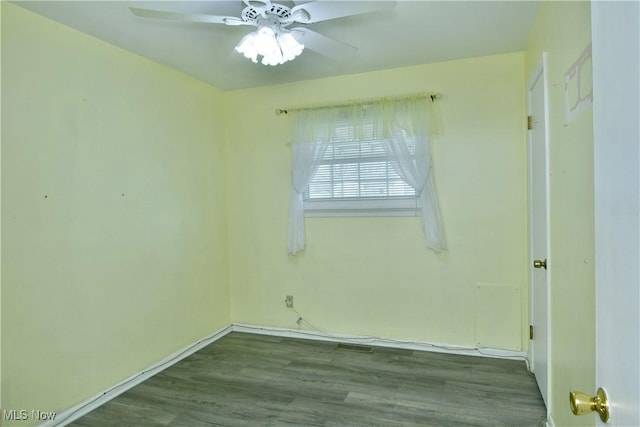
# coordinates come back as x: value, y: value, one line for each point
x: 256, y: 380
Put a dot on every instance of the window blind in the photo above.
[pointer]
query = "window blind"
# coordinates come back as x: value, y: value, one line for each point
x: 357, y: 168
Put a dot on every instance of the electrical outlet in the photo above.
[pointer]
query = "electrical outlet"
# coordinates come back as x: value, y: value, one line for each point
x: 289, y: 301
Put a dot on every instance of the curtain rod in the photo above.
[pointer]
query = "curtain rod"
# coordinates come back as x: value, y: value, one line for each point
x: 432, y: 96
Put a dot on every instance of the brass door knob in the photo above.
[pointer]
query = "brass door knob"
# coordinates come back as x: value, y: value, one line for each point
x: 582, y: 403
x: 540, y: 263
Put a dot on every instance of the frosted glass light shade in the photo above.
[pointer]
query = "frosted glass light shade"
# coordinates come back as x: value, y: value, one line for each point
x: 247, y: 47
x: 290, y: 46
x: 274, y: 48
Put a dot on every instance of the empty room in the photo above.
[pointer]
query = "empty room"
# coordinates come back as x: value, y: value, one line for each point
x: 339, y: 213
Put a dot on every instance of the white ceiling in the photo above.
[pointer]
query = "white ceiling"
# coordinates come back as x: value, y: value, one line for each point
x: 412, y: 33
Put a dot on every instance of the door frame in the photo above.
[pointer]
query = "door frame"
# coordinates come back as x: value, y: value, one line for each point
x: 540, y: 72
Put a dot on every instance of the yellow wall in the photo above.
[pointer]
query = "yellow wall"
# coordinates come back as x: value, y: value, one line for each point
x: 375, y: 276
x: 114, y: 213
x: 130, y: 230
x: 563, y: 29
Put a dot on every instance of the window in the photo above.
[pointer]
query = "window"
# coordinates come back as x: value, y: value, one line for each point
x: 363, y: 159
x: 356, y: 177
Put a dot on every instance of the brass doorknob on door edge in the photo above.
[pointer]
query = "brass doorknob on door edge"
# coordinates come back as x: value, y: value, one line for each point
x: 540, y: 263
x: 581, y: 403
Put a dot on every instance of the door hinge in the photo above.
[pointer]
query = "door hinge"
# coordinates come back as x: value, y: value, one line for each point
x: 530, y: 332
x: 529, y: 122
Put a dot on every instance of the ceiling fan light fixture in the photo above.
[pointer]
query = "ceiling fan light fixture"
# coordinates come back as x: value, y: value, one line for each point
x: 290, y: 46
x: 275, y: 48
x: 274, y: 59
x: 265, y: 41
x: 274, y: 40
x: 247, y: 47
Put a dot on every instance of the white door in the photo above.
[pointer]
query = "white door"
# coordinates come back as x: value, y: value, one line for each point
x: 538, y: 226
x: 616, y: 70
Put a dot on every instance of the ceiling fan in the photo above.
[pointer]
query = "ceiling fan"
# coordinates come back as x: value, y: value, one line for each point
x: 275, y: 41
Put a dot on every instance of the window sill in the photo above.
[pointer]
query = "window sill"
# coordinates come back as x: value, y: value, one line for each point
x: 361, y: 208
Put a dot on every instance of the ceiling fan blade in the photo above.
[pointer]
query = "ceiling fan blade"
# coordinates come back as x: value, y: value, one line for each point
x: 317, y: 11
x: 188, y: 17
x: 324, y: 45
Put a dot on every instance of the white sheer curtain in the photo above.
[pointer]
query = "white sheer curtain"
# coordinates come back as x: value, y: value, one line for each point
x: 407, y: 142
x: 404, y: 125
x: 311, y: 136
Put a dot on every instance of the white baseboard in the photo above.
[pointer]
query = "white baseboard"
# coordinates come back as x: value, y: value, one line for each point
x: 550, y: 422
x: 83, y: 408
x: 381, y: 342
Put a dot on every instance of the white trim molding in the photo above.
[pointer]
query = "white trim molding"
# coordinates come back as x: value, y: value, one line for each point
x: 390, y: 206
x: 381, y: 342
x: 83, y: 408
x: 550, y: 422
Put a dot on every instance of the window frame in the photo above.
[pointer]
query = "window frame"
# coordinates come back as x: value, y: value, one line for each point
x: 364, y: 206
x: 349, y: 207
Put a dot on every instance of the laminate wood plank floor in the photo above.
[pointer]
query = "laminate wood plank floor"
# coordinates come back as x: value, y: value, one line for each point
x: 257, y: 380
